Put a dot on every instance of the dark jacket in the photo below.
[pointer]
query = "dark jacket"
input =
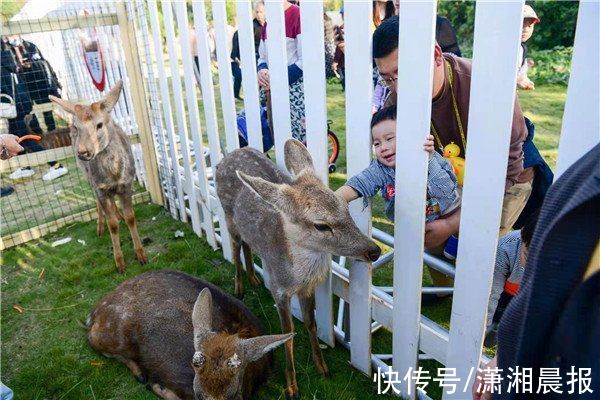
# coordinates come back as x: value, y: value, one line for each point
x: 542, y: 179
x: 554, y: 320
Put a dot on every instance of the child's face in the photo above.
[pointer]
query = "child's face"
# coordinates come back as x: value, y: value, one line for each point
x: 384, y: 142
x: 528, y: 24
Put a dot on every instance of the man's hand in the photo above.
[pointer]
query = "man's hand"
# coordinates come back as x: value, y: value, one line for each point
x: 263, y: 79
x: 438, y: 231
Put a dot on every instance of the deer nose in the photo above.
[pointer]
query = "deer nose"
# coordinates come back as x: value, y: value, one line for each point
x: 374, y: 253
x: 83, y: 154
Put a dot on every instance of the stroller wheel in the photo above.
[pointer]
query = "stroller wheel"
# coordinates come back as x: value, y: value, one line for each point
x: 332, y: 168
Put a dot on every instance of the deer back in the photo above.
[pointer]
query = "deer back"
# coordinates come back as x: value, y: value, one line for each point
x: 148, y: 319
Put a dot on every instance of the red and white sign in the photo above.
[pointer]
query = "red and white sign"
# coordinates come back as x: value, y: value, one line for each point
x: 92, y: 54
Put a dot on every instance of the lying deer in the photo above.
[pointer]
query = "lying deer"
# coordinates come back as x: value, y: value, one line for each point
x: 293, y: 224
x: 104, y: 154
x: 184, y: 336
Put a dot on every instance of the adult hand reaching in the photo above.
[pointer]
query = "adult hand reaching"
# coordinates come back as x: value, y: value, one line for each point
x: 9, y: 147
x: 263, y: 79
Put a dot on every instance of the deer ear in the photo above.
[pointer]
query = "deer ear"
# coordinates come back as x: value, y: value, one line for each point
x: 202, y: 318
x: 297, y: 157
x: 256, y: 347
x: 272, y: 193
x: 111, y: 98
x: 65, y: 105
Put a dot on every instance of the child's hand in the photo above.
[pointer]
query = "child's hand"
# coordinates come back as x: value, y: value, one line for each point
x: 429, y: 146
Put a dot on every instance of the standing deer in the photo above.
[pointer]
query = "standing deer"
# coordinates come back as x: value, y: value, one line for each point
x: 104, y: 154
x: 184, y: 336
x: 293, y: 224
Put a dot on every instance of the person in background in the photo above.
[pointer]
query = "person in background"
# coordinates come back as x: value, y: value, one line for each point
x: 553, y: 323
x: 329, y: 38
x: 235, y: 66
x: 258, y: 22
x: 13, y: 84
x: 451, y: 85
x: 530, y: 18
x: 511, y: 258
x: 9, y: 147
x: 294, y: 61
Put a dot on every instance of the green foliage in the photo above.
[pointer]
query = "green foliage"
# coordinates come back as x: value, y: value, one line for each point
x: 551, y: 66
x: 557, y: 26
x: 556, y: 29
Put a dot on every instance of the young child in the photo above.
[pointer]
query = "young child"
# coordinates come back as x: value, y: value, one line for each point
x: 442, y: 194
x: 511, y: 257
x: 529, y: 20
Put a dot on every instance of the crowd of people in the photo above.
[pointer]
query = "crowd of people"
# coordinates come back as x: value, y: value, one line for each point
x: 528, y: 177
x: 27, y: 78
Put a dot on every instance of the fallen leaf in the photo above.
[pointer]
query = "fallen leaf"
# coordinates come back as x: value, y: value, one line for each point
x: 41, y: 275
x: 19, y: 309
x: 97, y: 363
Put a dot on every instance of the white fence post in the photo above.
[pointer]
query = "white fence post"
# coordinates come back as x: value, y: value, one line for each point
x: 210, y: 113
x: 225, y: 76
x: 359, y: 89
x: 581, y: 119
x: 180, y: 114
x: 493, y: 87
x: 194, y: 117
x: 166, y: 105
x: 311, y: 18
x: 278, y: 76
x: 415, y: 71
x: 249, y: 76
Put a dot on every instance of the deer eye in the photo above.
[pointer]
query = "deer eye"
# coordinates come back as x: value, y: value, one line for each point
x: 198, y: 359
x: 323, y: 228
x: 99, y: 126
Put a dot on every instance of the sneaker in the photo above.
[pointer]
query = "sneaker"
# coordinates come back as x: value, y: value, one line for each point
x: 55, y: 172
x: 21, y: 173
x: 6, y: 190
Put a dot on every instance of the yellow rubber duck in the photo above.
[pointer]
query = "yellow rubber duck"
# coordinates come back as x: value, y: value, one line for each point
x: 452, y: 152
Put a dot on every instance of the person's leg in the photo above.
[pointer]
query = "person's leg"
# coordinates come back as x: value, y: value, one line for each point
x: 438, y: 278
x: 514, y: 201
x: 237, y: 79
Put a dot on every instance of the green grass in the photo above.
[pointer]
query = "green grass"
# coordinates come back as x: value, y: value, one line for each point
x: 45, y: 352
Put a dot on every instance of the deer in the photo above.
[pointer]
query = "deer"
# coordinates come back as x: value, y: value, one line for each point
x: 104, y: 154
x: 293, y: 223
x: 183, y: 337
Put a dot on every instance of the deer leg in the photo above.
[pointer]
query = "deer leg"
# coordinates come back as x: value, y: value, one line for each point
x: 307, y: 303
x: 239, y: 270
x: 110, y: 210
x: 163, y: 392
x: 250, y: 265
x: 129, y: 216
x: 100, y: 229
x: 287, y: 326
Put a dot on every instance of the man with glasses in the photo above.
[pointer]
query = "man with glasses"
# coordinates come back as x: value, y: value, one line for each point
x: 449, y: 117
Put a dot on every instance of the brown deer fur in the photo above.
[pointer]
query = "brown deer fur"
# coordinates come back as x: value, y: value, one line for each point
x: 183, y: 335
x: 104, y: 154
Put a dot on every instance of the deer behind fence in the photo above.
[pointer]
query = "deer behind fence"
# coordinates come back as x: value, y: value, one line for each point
x: 104, y: 154
x: 293, y: 224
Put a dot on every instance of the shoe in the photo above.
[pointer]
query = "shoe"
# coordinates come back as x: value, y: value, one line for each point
x: 55, y: 172
x: 451, y: 248
x: 21, y: 173
x: 6, y: 190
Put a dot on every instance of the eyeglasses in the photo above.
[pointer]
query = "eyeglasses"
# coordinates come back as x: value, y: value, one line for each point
x: 387, y: 82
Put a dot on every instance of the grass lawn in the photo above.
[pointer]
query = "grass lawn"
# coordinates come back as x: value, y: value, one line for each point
x: 45, y: 352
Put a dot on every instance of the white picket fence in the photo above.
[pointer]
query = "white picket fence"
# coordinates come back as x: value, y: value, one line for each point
x: 188, y: 151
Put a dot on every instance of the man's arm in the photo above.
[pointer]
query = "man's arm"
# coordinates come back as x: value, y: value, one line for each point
x: 515, y: 154
x: 438, y: 231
